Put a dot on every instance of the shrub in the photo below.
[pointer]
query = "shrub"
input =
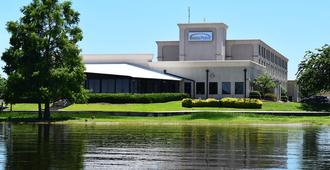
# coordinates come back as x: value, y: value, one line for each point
x: 134, y: 98
x: 187, y: 102
x: 255, y: 95
x: 200, y: 103
x: 224, y: 102
x: 241, y: 103
x: 284, y: 98
x: 270, y: 97
x: 211, y: 102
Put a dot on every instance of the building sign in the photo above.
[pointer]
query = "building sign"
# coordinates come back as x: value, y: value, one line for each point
x: 200, y: 36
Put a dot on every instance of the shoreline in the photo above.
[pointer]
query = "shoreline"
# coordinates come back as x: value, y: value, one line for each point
x: 192, y: 118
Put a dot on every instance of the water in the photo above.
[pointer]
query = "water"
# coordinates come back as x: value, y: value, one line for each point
x: 163, y: 147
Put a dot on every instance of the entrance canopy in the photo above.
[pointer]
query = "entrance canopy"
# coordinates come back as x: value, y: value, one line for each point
x: 127, y: 70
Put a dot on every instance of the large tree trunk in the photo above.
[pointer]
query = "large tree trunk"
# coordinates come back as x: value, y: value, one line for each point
x: 39, y: 111
x: 47, y: 111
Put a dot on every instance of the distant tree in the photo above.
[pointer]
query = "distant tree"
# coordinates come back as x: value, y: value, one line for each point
x: 2, y: 86
x: 284, y: 91
x: 264, y: 84
x: 314, y: 72
x: 43, y: 63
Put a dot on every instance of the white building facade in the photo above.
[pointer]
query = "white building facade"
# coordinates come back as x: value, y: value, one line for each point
x: 203, y: 63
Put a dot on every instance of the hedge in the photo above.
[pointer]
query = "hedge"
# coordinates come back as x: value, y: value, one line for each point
x: 118, y: 98
x: 270, y: 97
x: 224, y: 102
x: 255, y: 95
x: 284, y: 98
x: 241, y: 103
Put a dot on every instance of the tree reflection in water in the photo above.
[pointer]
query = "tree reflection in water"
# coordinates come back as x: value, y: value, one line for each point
x: 43, y: 146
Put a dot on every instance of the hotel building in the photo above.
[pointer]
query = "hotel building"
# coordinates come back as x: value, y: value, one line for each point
x: 202, y: 63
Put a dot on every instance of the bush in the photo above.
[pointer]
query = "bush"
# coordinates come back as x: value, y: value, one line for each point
x: 284, y: 98
x: 255, y: 95
x: 241, y: 103
x: 270, y: 97
x: 134, y: 98
x: 224, y: 102
x: 187, y: 102
x: 200, y: 103
x: 211, y: 102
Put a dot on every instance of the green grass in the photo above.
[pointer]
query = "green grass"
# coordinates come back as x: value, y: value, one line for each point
x: 169, y: 106
x: 194, y: 118
x: 24, y: 107
x: 175, y: 106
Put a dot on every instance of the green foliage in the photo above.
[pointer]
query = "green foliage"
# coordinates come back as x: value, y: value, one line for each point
x: 255, y: 95
x: 3, y: 83
x: 314, y: 72
x: 284, y: 91
x: 264, y: 84
x: 224, y: 102
x: 284, y: 98
x: 270, y: 97
x: 206, y: 103
x: 241, y: 103
x: 186, y: 102
x: 43, y: 62
x: 134, y: 98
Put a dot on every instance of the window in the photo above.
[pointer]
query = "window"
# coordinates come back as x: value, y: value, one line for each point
x: 213, y: 88
x: 94, y: 85
x: 239, y: 87
x: 122, y: 85
x: 226, y: 88
x: 187, y: 88
x: 200, y: 88
x: 108, y: 86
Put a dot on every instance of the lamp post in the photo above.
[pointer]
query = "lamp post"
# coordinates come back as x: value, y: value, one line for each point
x: 207, y: 83
x: 245, y: 82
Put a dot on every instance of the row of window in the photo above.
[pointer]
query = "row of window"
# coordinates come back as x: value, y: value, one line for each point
x: 213, y: 88
x: 267, y: 54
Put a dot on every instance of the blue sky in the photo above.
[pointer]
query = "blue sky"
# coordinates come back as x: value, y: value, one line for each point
x: 126, y: 26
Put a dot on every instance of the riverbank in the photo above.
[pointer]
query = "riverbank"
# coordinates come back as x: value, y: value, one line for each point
x: 193, y: 119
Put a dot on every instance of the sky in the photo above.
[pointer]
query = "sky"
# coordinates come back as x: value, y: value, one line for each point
x: 132, y: 26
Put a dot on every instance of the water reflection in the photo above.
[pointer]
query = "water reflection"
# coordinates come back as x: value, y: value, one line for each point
x: 163, y: 147
x: 43, y: 147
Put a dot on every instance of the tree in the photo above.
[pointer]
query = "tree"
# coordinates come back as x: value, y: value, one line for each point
x: 314, y: 72
x: 284, y: 91
x: 264, y: 84
x: 43, y: 61
x: 2, y: 86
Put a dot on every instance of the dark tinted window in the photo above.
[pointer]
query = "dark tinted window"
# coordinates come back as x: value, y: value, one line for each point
x: 200, y: 88
x: 213, y: 88
x: 187, y: 87
x: 239, y: 87
x: 226, y: 88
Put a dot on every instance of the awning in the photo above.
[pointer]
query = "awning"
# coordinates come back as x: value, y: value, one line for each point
x: 127, y: 70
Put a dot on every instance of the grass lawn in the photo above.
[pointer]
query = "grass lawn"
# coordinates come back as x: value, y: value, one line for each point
x: 169, y: 106
x: 24, y: 107
x: 194, y: 118
x: 176, y: 106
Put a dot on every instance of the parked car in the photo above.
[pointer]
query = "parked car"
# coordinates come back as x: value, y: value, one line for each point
x: 316, y: 100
